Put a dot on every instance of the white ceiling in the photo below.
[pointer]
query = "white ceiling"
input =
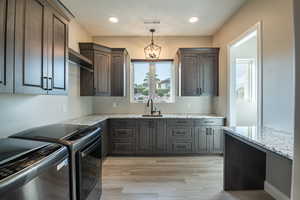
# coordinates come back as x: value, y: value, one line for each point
x: 173, y: 14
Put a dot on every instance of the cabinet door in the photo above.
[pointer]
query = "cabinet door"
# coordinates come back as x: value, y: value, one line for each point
x: 105, y: 145
x: 145, y: 137
x: 217, y: 140
x: 190, y: 75
x: 57, y: 53
x: 31, y: 75
x: 160, y: 138
x: 102, y: 73
x: 208, y: 74
x: 202, y: 139
x: 117, y: 74
x: 7, y: 14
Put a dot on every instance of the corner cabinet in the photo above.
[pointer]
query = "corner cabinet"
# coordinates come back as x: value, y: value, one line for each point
x: 198, y: 70
x: 36, y: 41
x: 96, y: 83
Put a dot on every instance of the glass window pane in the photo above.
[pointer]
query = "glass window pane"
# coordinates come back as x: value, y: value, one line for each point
x: 141, y: 81
x: 163, y: 82
x: 152, y: 80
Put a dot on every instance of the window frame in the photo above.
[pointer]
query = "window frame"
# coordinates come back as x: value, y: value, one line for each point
x: 172, y: 82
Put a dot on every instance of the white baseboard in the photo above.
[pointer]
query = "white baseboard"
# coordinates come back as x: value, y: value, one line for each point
x: 274, y: 192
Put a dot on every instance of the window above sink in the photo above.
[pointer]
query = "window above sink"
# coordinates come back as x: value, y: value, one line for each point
x: 152, y: 79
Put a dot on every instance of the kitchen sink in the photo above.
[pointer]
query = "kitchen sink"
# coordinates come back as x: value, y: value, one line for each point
x: 152, y: 115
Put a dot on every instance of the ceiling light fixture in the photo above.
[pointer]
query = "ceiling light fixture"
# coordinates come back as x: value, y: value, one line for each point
x: 152, y: 51
x: 113, y: 20
x: 193, y: 19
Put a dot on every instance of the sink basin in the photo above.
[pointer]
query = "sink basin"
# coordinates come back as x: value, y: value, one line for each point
x: 152, y: 115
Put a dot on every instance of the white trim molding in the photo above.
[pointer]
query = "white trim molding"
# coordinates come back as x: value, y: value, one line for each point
x: 274, y: 192
x: 230, y: 116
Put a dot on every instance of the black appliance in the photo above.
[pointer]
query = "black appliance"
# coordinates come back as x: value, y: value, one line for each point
x: 31, y: 170
x: 84, y: 145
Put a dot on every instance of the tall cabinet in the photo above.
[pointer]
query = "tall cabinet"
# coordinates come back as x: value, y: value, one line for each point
x: 198, y: 71
x: 33, y: 47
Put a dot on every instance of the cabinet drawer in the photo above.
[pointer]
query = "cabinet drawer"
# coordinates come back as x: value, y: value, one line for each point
x: 209, y: 122
x: 123, y: 123
x: 182, y: 147
x: 180, y: 122
x: 122, y: 133
x: 122, y: 147
x: 180, y: 133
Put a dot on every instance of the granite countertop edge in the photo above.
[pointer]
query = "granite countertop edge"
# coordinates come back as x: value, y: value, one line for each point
x: 265, y: 146
x: 91, y: 120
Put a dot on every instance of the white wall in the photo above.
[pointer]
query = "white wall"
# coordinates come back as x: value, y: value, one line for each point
x: 19, y: 112
x: 170, y: 45
x: 296, y: 161
x: 277, y: 53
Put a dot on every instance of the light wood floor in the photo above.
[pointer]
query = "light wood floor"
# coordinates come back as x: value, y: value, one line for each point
x: 168, y: 178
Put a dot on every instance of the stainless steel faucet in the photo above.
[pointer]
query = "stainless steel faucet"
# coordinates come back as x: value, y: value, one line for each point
x: 153, y: 110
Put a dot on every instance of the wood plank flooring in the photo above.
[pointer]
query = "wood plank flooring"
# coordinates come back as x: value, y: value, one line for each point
x: 169, y: 178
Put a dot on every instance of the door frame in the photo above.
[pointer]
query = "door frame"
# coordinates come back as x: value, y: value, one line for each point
x: 231, y: 118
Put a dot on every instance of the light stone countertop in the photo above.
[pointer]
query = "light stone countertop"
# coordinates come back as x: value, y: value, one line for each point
x: 277, y: 142
x: 92, y: 120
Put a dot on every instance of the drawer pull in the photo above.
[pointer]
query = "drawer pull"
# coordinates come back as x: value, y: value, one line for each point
x: 207, y: 122
x: 179, y: 133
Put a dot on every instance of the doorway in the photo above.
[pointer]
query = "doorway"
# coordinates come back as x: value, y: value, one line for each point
x: 245, y: 79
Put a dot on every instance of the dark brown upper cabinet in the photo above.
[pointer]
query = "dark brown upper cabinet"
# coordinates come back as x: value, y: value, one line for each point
x: 198, y: 71
x: 33, y: 47
x: 120, y: 62
x: 108, y: 76
x: 7, y: 16
x: 96, y: 83
x: 57, y: 53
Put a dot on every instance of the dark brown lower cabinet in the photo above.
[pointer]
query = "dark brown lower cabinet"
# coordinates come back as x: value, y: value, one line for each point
x: 163, y: 137
x: 209, y: 139
x: 105, y: 143
x: 160, y: 137
x: 145, y: 137
x: 181, y: 140
x: 122, y: 137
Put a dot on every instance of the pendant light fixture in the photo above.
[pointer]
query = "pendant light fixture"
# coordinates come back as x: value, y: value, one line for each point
x: 152, y: 51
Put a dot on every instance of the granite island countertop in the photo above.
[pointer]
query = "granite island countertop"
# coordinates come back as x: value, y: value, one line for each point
x: 277, y: 142
x: 92, y: 120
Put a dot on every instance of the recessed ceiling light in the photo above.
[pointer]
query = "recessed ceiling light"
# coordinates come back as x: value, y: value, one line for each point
x: 193, y: 20
x: 113, y: 20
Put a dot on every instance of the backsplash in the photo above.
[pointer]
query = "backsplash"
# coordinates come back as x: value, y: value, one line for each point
x: 182, y: 105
